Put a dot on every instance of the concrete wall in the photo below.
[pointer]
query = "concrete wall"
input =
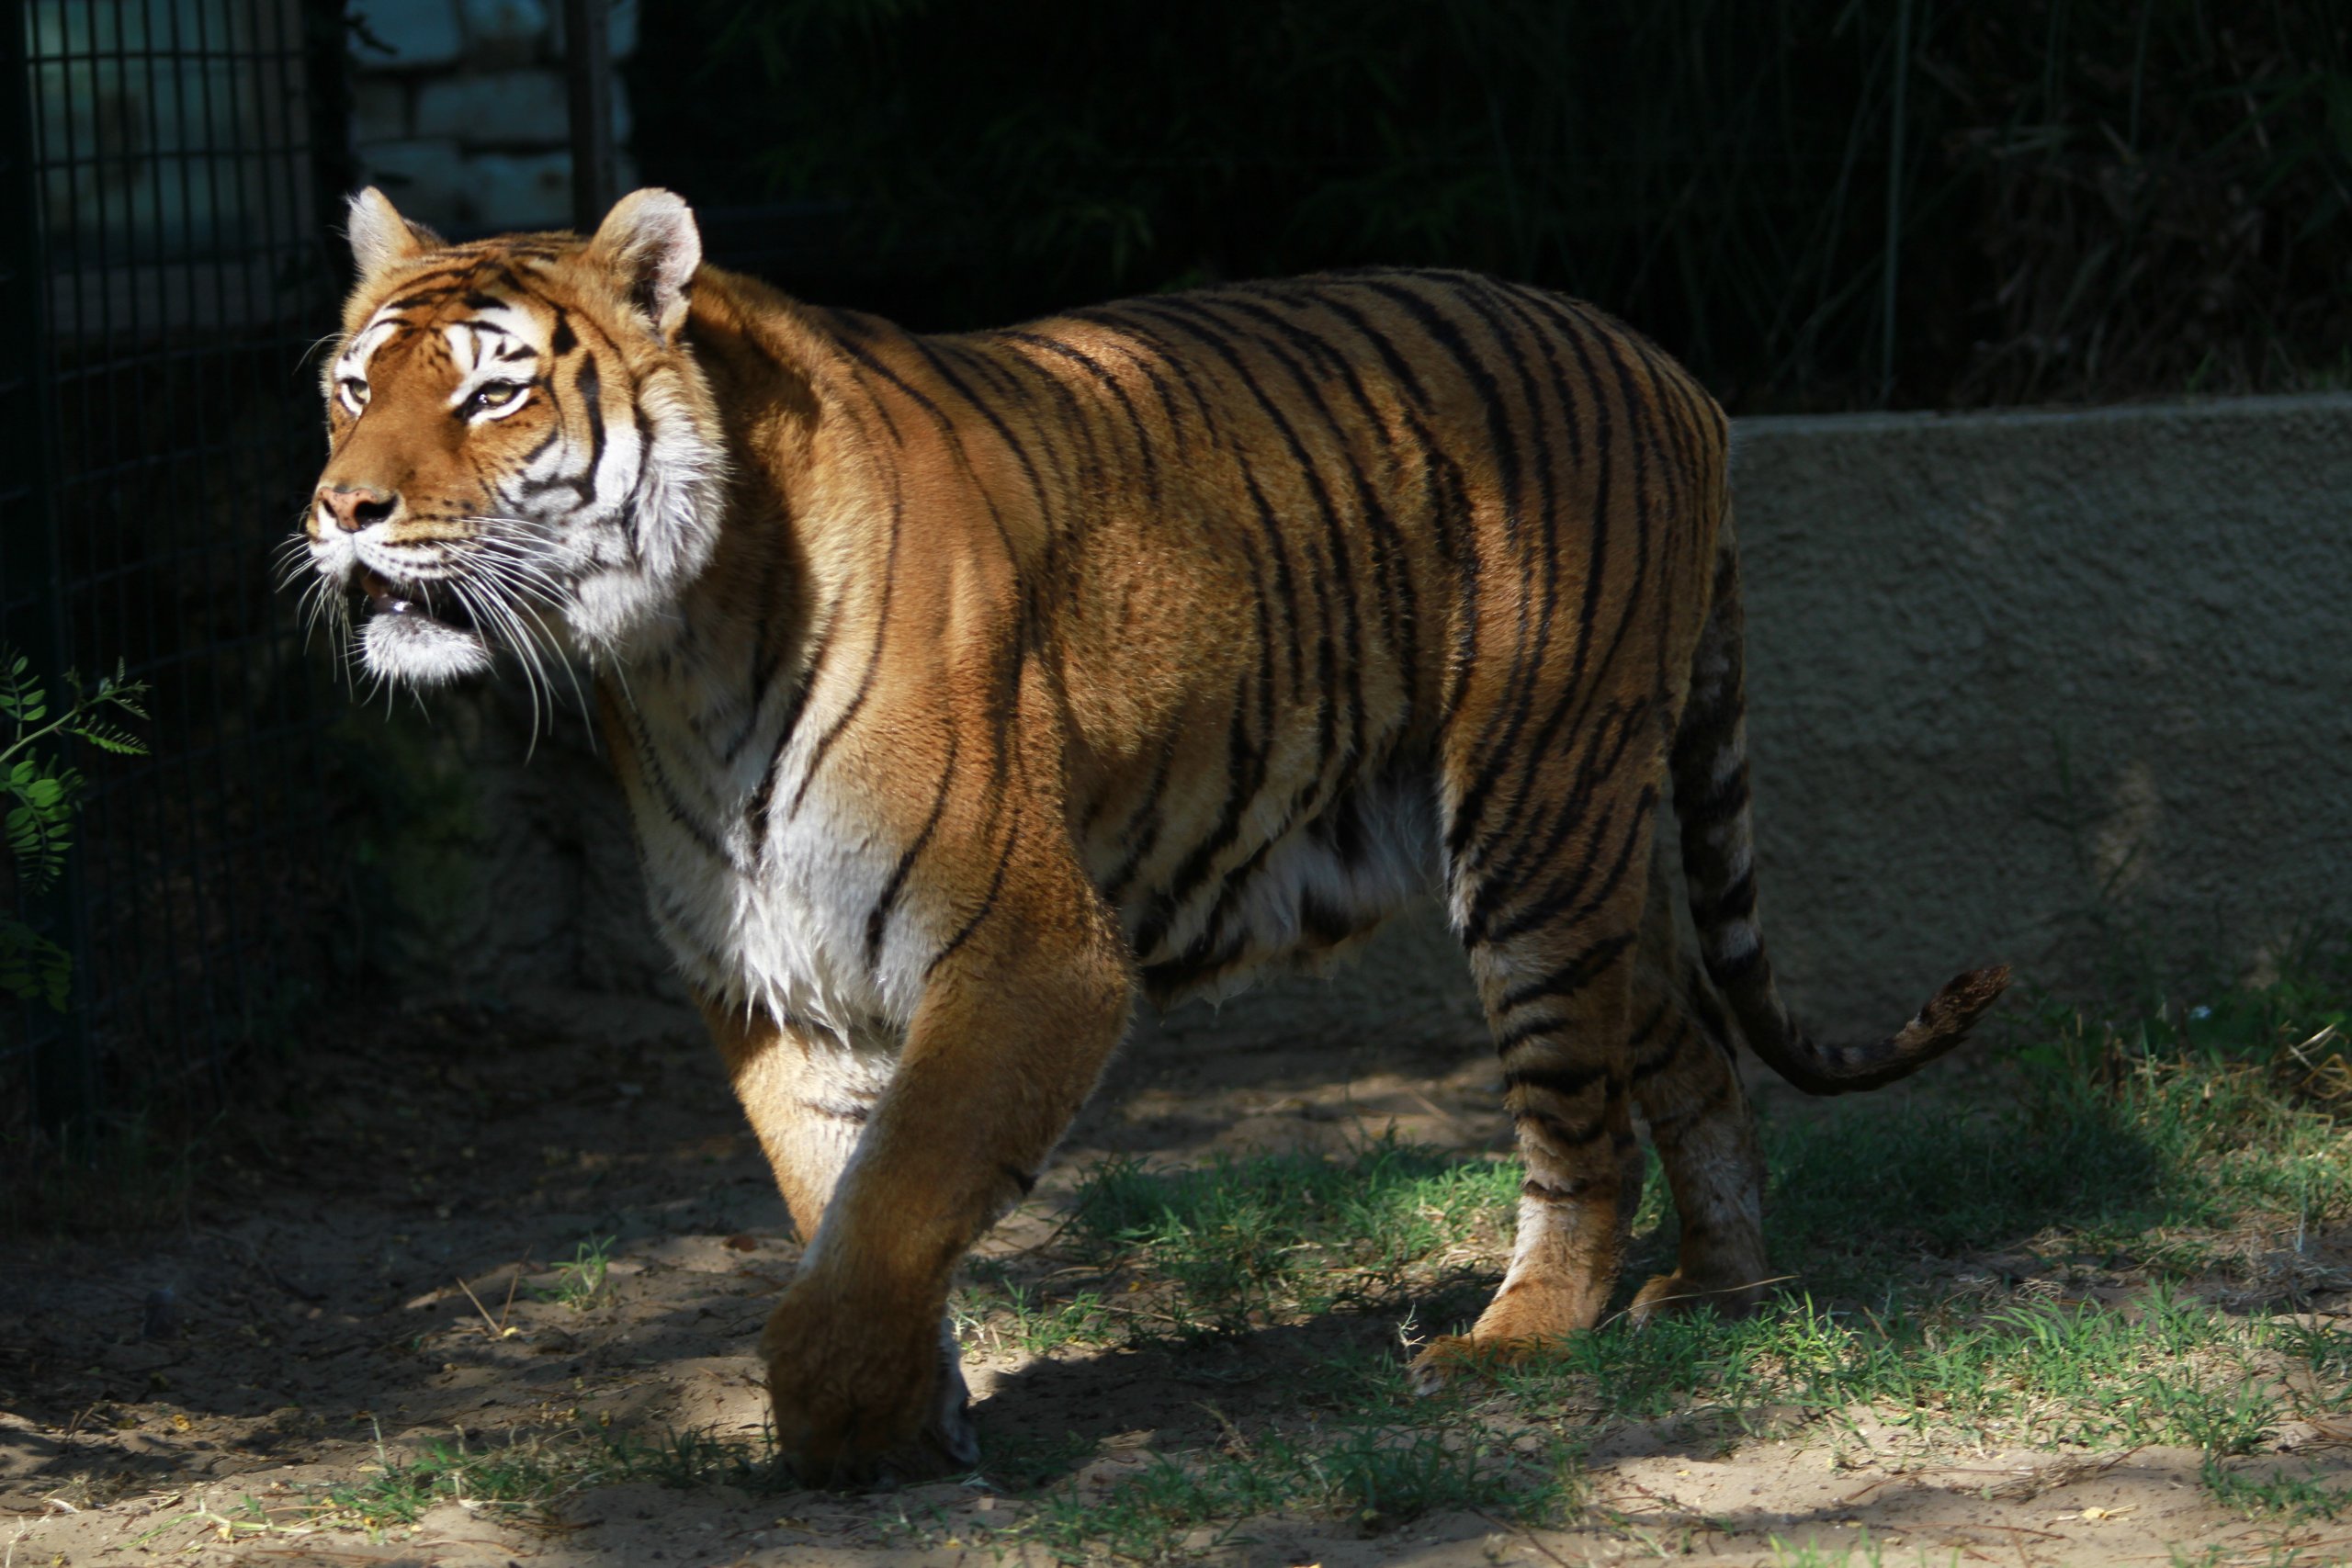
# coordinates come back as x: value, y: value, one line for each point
x: 2064, y: 689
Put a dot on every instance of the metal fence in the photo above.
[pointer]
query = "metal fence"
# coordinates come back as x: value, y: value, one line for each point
x: 165, y: 165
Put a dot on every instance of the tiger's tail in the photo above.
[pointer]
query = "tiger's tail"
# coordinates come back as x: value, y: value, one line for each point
x: 1711, y: 801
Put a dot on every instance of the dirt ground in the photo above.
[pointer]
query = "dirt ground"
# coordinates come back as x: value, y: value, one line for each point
x: 200, y: 1394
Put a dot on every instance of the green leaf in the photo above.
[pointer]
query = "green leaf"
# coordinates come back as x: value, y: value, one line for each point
x: 32, y: 967
x: 110, y: 738
x: 39, y: 829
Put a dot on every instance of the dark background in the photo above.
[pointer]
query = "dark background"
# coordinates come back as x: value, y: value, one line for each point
x: 1819, y: 204
x: 2079, y: 199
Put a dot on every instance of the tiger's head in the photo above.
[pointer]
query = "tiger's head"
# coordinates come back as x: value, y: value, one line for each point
x: 522, y: 452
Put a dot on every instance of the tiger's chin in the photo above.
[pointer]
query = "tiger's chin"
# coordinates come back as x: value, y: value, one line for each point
x: 412, y: 638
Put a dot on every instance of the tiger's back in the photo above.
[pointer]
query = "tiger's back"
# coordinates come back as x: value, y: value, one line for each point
x: 959, y: 684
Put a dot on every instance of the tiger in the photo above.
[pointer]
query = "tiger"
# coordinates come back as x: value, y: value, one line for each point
x: 964, y: 688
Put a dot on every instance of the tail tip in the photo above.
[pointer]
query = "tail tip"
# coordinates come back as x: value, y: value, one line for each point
x: 1965, y: 996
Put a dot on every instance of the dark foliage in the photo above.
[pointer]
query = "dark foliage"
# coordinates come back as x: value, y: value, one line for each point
x: 2077, y: 199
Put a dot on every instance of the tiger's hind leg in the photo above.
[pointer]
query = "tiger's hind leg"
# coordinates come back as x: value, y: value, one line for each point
x: 1554, y: 965
x: 1686, y: 1082
x: 809, y: 1098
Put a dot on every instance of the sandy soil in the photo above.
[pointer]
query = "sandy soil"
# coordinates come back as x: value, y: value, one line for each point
x: 355, y: 1290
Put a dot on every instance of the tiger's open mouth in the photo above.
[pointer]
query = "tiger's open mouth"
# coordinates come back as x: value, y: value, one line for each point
x: 419, y: 601
x: 421, y: 633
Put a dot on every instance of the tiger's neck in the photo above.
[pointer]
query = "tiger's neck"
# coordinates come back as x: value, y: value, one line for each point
x: 704, y: 706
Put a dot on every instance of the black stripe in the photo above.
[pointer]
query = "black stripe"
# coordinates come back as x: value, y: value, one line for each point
x: 848, y: 715
x: 987, y: 410
x: 1573, y: 897
x: 1562, y: 1135
x: 650, y: 763
x: 1572, y: 976
x: 1111, y: 383
x: 1722, y: 800
x: 1596, y: 767
x: 879, y: 917
x: 1467, y: 814
x: 988, y: 905
x: 1389, y: 551
x: 1165, y: 981
x: 591, y: 394
x: 1734, y: 902
x: 1285, y: 592
x: 1142, y: 832
x: 1245, y: 774
x: 789, y: 723
x: 1565, y: 1082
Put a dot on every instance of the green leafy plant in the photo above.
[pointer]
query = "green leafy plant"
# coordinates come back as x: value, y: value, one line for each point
x: 42, y: 796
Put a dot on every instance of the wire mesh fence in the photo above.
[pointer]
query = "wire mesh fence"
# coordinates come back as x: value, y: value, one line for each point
x: 166, y: 275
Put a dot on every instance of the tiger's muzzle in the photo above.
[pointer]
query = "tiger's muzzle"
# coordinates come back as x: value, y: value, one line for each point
x: 421, y: 632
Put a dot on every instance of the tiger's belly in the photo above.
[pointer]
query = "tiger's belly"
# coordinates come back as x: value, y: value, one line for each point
x: 1203, y: 917
x: 1209, y: 887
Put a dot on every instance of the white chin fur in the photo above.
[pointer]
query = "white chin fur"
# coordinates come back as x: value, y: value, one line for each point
x: 418, y: 652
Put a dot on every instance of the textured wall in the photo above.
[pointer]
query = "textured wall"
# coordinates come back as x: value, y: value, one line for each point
x: 459, y: 110
x: 2064, y: 688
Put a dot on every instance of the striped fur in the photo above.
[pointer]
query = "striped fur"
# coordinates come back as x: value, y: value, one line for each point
x: 963, y: 685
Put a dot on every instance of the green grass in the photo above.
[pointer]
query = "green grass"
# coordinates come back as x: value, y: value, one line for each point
x: 586, y: 1280
x: 2175, y: 1372
x: 1242, y: 1243
x: 1368, y: 1478
x: 2087, y: 1249
x: 529, y: 1476
x: 2294, y: 1498
x: 2182, y: 1160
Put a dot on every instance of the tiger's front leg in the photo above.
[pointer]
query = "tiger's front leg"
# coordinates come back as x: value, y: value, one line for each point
x: 1021, y: 1009
x: 808, y: 1096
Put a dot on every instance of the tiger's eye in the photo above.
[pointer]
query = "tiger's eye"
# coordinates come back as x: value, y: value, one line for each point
x: 355, y: 392
x: 496, y: 394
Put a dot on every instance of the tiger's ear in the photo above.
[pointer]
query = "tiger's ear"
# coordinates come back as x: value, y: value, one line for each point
x: 382, y: 239
x: 651, y: 246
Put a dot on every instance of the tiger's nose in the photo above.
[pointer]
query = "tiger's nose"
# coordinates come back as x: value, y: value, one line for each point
x: 354, y: 507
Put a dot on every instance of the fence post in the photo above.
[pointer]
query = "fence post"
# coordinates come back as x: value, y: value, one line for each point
x: 334, y: 169
x: 64, y: 1073
x: 588, y: 72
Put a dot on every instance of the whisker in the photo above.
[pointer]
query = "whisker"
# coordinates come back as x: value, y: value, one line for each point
x: 486, y: 627
x: 546, y: 641
x: 493, y: 612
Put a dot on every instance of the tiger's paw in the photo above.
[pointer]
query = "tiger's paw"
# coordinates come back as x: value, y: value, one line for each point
x: 859, y: 1401
x: 1667, y: 1295
x: 1451, y: 1359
